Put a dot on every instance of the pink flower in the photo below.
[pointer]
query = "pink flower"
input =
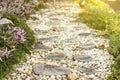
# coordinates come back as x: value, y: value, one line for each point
x: 7, y: 53
x: 1, y: 55
x: 19, y: 36
x: 4, y: 53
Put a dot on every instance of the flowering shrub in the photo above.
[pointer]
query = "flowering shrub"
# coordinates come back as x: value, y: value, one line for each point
x: 16, y: 7
x: 15, y: 41
x: 9, y: 38
x: 4, y: 53
x: 19, y: 35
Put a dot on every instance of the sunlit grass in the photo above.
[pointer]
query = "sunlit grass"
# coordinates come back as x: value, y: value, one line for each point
x: 99, y: 15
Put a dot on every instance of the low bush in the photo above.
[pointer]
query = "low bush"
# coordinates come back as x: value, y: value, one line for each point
x: 99, y: 15
x: 19, y: 8
x: 15, y: 40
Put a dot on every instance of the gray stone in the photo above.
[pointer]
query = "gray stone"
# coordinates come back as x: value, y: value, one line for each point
x: 54, y: 18
x: 5, y: 21
x: 46, y: 69
x: 52, y: 23
x: 82, y: 57
x: 86, y: 70
x: 34, y: 18
x: 42, y: 47
x: 87, y: 46
x: 84, y: 34
x: 56, y: 56
x: 41, y: 32
x: 71, y: 40
x: 53, y: 38
x: 51, y: 14
x: 59, y: 28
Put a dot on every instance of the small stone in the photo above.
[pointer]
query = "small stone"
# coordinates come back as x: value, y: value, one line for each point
x: 82, y: 57
x: 56, y: 56
x: 28, y: 73
x: 71, y: 77
x: 46, y: 69
x: 87, y: 46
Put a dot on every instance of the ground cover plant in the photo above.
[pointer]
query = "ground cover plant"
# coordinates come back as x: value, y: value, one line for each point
x: 17, y: 39
x: 99, y: 15
x: 19, y: 8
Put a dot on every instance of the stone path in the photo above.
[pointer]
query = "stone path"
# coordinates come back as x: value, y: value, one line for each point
x: 66, y: 50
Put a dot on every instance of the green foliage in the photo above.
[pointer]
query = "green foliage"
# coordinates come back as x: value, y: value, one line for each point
x: 100, y: 16
x: 87, y: 18
x: 97, y: 12
x: 21, y: 23
x: 19, y: 8
x: 6, y: 65
x: 114, y: 48
x: 115, y: 69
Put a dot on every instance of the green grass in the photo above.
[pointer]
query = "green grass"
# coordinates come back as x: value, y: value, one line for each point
x: 99, y: 15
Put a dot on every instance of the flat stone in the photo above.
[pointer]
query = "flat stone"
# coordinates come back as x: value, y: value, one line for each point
x: 86, y: 70
x: 56, y: 56
x: 51, y: 14
x: 87, y: 46
x: 84, y: 34
x: 59, y: 28
x: 41, y: 32
x: 42, y: 47
x: 71, y: 40
x: 82, y: 57
x: 46, y: 69
x: 52, y: 23
x: 5, y: 21
x: 49, y: 38
x: 54, y: 18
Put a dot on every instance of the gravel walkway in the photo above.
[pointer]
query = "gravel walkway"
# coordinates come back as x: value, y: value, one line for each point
x: 67, y: 49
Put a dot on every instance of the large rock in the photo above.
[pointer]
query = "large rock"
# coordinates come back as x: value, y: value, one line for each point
x: 5, y: 21
x: 46, y: 69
